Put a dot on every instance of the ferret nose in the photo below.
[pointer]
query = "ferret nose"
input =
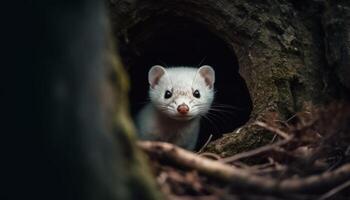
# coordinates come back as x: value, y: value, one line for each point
x: 183, y: 109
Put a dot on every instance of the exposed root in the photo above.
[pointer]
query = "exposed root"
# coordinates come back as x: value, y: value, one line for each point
x: 242, y: 178
x: 308, y: 157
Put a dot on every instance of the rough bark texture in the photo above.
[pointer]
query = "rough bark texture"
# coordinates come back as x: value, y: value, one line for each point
x: 336, y: 22
x: 279, y: 45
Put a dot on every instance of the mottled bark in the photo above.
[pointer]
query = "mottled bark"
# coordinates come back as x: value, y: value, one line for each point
x: 336, y: 22
x: 279, y: 46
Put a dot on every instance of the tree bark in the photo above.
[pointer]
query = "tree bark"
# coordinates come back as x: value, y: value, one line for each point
x: 75, y: 140
x: 279, y: 45
x: 336, y: 22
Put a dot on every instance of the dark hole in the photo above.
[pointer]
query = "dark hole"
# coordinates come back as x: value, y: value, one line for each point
x: 175, y: 41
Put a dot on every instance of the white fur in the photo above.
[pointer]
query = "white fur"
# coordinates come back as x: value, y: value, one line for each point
x: 160, y: 120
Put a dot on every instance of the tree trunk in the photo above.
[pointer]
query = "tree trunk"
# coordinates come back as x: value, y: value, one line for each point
x: 75, y: 139
x: 279, y: 45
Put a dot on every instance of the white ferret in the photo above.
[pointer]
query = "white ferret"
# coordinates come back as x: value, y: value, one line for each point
x: 179, y: 97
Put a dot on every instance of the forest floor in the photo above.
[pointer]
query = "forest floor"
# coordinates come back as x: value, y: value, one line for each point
x: 308, y: 158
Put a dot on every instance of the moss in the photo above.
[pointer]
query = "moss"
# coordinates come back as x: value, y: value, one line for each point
x: 246, y: 138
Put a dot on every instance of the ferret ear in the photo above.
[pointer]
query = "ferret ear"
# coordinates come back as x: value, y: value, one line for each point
x: 154, y: 75
x: 208, y: 74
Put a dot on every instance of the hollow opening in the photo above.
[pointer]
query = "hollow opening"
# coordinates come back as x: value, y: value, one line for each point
x: 178, y: 41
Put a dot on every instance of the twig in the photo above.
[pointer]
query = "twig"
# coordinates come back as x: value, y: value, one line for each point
x: 268, y: 170
x: 335, y: 190
x: 243, y: 179
x: 273, y: 138
x: 292, y: 117
x: 210, y: 155
x: 262, y: 166
x: 255, y: 152
x: 273, y: 129
x: 206, y: 144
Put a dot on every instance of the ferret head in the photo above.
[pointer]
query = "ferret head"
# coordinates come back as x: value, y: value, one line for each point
x: 182, y: 93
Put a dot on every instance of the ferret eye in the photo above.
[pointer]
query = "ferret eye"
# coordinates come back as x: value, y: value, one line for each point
x: 168, y: 94
x: 196, y: 94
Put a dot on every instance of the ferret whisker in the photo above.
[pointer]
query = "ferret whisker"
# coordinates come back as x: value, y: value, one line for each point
x: 164, y: 108
x: 223, y: 111
x: 219, y: 118
x: 201, y: 106
x: 222, y: 118
x: 219, y: 110
x: 226, y: 106
x: 214, y: 126
x: 207, y: 104
x: 227, y: 117
x: 222, y: 107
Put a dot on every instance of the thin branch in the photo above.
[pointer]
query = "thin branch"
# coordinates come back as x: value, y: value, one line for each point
x: 210, y: 155
x: 335, y: 190
x: 255, y: 152
x: 242, y: 178
x: 206, y: 144
x: 273, y: 129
